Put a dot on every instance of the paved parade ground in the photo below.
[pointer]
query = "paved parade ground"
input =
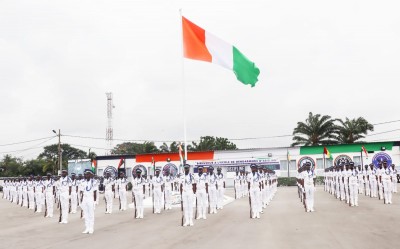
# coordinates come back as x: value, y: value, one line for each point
x: 284, y: 224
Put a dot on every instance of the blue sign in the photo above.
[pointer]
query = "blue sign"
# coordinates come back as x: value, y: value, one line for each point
x: 112, y: 170
x: 380, y: 158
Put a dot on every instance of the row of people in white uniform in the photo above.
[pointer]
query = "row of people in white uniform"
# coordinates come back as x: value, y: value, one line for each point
x: 306, y: 186
x: 347, y: 182
x: 206, y: 188
x: 38, y: 194
x: 260, y: 184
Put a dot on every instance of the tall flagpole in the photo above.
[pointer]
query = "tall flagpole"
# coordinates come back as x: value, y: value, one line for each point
x: 184, y: 91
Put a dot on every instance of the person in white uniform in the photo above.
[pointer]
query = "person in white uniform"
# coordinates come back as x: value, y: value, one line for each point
x: 39, y: 190
x: 122, y: 188
x: 109, y: 188
x: 188, y: 191
x: 158, y: 190
x: 168, y: 187
x: 50, y: 190
x: 366, y: 181
x: 236, y: 184
x: 308, y: 182
x: 212, y: 190
x: 64, y: 184
x: 31, y: 194
x: 220, y: 189
x: 353, y: 186
x: 139, y: 190
x: 373, y: 181
x: 386, y: 179
x: 394, y: 178
x: 74, y: 193
x: 254, y: 188
x: 88, y: 196
x: 201, y: 180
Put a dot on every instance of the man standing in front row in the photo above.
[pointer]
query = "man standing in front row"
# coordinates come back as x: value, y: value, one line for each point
x: 109, y: 188
x: 50, y: 190
x: 65, y: 186
x: 308, y: 183
x: 220, y: 189
x: 188, y: 190
x: 87, y: 197
x: 254, y: 188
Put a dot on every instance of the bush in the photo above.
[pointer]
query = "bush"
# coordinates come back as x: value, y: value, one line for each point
x: 292, y: 181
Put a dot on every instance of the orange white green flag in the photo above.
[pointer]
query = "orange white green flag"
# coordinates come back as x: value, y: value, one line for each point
x: 199, y: 44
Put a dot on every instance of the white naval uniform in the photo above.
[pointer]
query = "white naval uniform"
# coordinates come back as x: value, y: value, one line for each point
x: 64, y: 183
x: 353, y: 188
x: 244, y: 186
x: 39, y: 189
x: 187, y: 182
x: 137, y: 188
x: 360, y: 179
x: 220, y: 191
x: 19, y: 191
x: 201, y: 195
x: 158, y: 194
x: 367, y: 184
x: 108, y: 193
x: 347, y: 174
x: 309, y: 188
x: 212, y: 192
x: 373, y: 182
x: 168, y: 187
x: 74, y: 195
x: 49, y: 195
x: 88, y: 189
x: 394, y: 180
x: 380, y: 172
x: 31, y: 194
x: 238, y: 189
x: 254, y: 179
x: 121, y: 183
x: 387, y: 186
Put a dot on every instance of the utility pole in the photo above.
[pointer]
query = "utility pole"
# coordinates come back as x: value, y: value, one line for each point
x: 109, y: 130
x: 59, y: 150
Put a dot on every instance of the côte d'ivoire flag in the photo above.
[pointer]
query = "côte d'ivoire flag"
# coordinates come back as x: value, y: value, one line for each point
x: 199, y: 44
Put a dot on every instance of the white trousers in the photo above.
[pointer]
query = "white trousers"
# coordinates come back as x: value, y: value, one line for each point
x: 109, y: 196
x: 374, y: 186
x: 255, y: 196
x: 158, y: 199
x: 367, y: 189
x: 49, y: 203
x: 353, y: 194
x: 202, y: 203
x: 64, y: 204
x: 122, y: 195
x: 39, y: 201
x: 168, y: 198
x: 88, y: 212
x: 387, y: 185
x: 139, y: 204
x: 74, y: 201
x: 220, y: 197
x: 187, y: 199
x: 212, y: 192
x: 309, y: 197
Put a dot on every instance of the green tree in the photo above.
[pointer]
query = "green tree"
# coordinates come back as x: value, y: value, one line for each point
x: 135, y: 148
x: 352, y: 130
x: 173, y: 147
x: 212, y: 143
x: 50, y: 154
x: 316, y: 130
x: 11, y: 166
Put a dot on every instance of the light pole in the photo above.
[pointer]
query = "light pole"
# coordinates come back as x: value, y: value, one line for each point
x: 59, y: 150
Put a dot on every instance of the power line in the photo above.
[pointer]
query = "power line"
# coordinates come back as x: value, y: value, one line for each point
x: 28, y: 141
x: 388, y: 122
x: 381, y: 133
x: 29, y: 148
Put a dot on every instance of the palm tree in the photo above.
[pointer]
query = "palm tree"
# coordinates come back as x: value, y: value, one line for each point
x: 317, y: 130
x: 352, y: 130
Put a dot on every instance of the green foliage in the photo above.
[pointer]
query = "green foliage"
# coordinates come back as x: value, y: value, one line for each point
x: 213, y: 143
x: 322, y: 130
x: 287, y: 181
x: 317, y: 130
x: 352, y: 130
x: 135, y: 148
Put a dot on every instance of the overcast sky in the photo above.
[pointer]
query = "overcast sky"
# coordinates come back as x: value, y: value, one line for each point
x: 59, y: 58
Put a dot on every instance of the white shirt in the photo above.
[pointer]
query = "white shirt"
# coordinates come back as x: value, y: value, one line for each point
x: 254, y: 180
x: 220, y: 181
x: 108, y: 183
x: 121, y: 183
x: 201, y: 181
x: 64, y: 183
x: 168, y: 180
x: 308, y: 177
x: 48, y: 184
x: 88, y: 187
x: 213, y: 180
x: 138, y: 183
x: 187, y: 182
x: 157, y: 181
